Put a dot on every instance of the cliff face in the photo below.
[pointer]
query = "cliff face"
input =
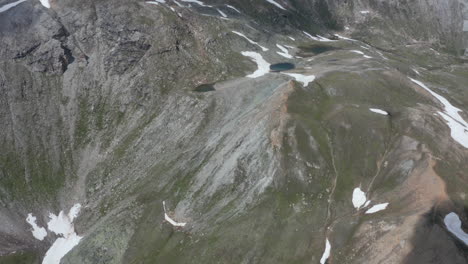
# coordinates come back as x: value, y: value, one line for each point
x: 119, y: 106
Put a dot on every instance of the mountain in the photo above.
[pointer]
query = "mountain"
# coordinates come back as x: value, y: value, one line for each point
x: 154, y: 132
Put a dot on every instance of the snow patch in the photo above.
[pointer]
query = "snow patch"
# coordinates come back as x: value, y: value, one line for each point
x: 365, y: 12
x: 376, y: 208
x: 276, y: 4
x: 310, y: 36
x: 10, y: 5
x: 62, y: 225
x: 263, y: 65
x: 378, y: 111
x: 458, y: 126
x: 284, y: 52
x: 304, y: 79
x: 221, y: 12
x: 453, y: 224
x: 38, y: 232
x: 324, y: 39
x: 361, y: 53
x: 291, y: 38
x: 359, y: 198
x: 345, y: 38
x: 196, y: 2
x: 233, y: 8
x: 326, y: 253
x: 249, y: 40
x: 45, y: 3
x: 170, y: 220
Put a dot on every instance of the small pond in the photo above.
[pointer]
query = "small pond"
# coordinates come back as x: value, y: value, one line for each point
x: 281, y: 67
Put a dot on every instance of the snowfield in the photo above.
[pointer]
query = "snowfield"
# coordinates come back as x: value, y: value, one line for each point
x: 453, y: 224
x: 249, y: 40
x: 276, y: 4
x: 62, y: 225
x: 378, y: 111
x: 10, y: 5
x: 359, y: 198
x: 326, y: 253
x: 38, y: 232
x: 376, y: 208
x: 284, y: 52
x: 304, y: 79
x: 170, y: 220
x: 263, y: 65
x: 451, y: 114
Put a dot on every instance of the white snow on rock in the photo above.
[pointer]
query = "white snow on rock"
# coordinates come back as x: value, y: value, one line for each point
x: 310, y: 36
x: 249, y: 40
x: 196, y: 2
x: 359, y: 198
x: 304, y: 79
x: 361, y: 53
x: 45, y: 3
x: 263, y: 65
x: 291, y: 38
x: 276, y: 4
x: 62, y: 225
x: 233, y: 8
x: 156, y: 2
x: 284, y: 52
x: 367, y: 203
x: 221, y: 12
x: 324, y: 39
x: 326, y: 253
x: 10, y: 5
x: 453, y: 224
x: 38, y: 232
x: 344, y: 38
x: 170, y: 220
x: 365, y: 12
x: 376, y: 208
x: 378, y: 111
x: 458, y: 126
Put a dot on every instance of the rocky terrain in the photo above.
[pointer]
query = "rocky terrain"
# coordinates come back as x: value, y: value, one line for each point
x: 154, y: 132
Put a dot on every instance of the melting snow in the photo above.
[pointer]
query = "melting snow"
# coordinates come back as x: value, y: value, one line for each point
x: 362, y: 53
x: 293, y: 39
x: 304, y: 79
x: 249, y: 40
x: 263, y: 66
x: 458, y: 126
x: 324, y: 39
x: 10, y: 5
x: 345, y: 38
x: 168, y: 219
x: 359, y: 198
x: 62, y: 225
x: 45, y: 3
x: 367, y: 203
x: 453, y: 224
x: 310, y: 36
x: 276, y: 4
x: 221, y: 12
x: 378, y: 111
x: 230, y: 6
x: 196, y: 1
x: 284, y: 52
x: 376, y: 208
x: 38, y: 232
x: 326, y: 253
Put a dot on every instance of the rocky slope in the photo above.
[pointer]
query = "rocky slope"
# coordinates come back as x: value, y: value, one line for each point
x: 121, y: 105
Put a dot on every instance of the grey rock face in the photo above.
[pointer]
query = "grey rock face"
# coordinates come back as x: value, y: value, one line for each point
x: 99, y: 106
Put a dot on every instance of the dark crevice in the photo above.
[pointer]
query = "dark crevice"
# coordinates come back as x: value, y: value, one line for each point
x: 23, y: 54
x: 67, y: 57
